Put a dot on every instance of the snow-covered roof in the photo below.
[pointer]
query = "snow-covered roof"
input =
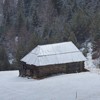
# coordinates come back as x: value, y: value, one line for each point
x: 59, y: 53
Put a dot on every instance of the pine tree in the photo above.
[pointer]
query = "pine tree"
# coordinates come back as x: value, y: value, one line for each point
x: 80, y: 23
x: 27, y: 4
x: 72, y: 38
x: 7, y: 14
x: 20, y: 52
x: 4, y: 64
x: 58, y: 5
x: 20, y: 14
x: 35, y: 19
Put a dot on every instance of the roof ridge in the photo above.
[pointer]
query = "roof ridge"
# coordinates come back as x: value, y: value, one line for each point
x: 58, y: 53
x: 56, y: 43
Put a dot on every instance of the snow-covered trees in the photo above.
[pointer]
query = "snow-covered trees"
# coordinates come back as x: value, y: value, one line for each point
x: 49, y: 21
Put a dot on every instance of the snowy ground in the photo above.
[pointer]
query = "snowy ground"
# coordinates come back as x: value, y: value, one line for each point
x: 78, y: 86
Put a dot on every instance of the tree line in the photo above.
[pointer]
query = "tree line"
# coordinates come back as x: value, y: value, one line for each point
x: 27, y: 23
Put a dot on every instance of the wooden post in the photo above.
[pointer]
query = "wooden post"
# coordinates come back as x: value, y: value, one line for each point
x: 76, y: 96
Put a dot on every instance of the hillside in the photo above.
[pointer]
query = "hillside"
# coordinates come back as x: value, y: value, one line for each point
x: 27, y: 23
x: 80, y: 86
x: 1, y: 2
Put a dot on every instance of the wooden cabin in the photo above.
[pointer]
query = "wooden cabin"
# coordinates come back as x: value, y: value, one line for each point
x: 46, y: 60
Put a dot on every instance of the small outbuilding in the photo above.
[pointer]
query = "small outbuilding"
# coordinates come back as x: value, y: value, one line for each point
x: 51, y: 59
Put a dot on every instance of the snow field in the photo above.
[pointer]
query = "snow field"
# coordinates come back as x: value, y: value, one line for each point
x: 78, y: 86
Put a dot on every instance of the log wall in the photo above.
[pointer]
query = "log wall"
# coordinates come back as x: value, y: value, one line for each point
x: 53, y: 69
x: 43, y: 71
